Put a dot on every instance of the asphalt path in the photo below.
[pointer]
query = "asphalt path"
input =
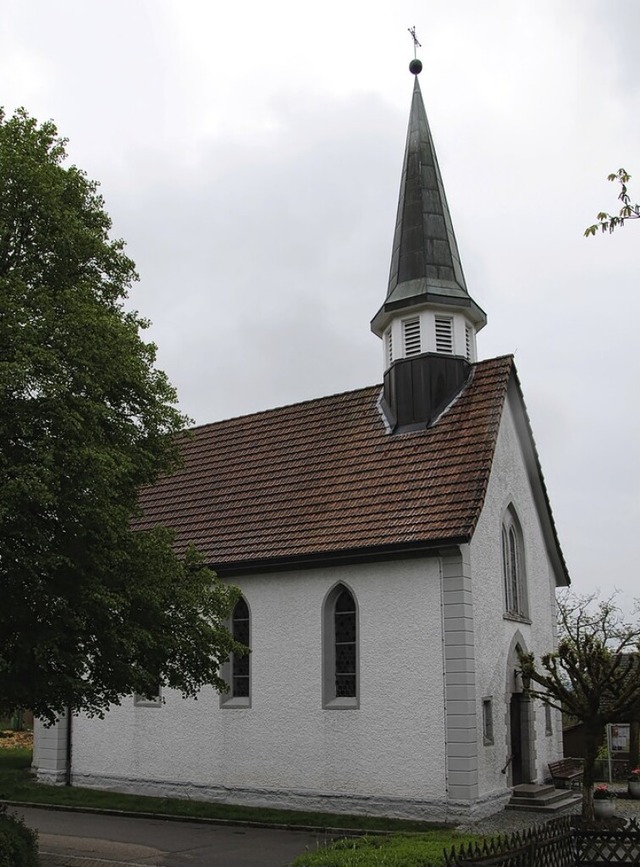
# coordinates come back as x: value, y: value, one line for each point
x: 71, y: 839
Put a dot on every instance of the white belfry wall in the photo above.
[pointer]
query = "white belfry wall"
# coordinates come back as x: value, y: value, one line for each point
x: 427, y: 319
x: 496, y: 634
x: 386, y: 756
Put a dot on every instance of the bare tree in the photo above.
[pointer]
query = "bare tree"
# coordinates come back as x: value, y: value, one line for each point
x: 594, y: 675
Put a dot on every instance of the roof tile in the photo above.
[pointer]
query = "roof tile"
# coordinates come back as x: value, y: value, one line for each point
x: 324, y: 477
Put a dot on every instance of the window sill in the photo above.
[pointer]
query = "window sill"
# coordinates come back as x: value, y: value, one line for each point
x: 143, y: 701
x: 342, y: 703
x: 237, y: 701
x: 518, y: 618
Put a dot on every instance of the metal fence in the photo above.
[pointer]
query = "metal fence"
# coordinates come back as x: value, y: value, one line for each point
x: 598, y: 847
x: 554, y: 844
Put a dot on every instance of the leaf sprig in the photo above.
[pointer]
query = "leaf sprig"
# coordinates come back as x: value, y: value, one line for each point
x: 609, y: 222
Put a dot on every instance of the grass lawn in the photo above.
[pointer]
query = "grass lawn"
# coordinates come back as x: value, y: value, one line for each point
x: 17, y: 784
x: 418, y: 850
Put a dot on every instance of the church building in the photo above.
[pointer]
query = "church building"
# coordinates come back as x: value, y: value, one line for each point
x: 394, y: 547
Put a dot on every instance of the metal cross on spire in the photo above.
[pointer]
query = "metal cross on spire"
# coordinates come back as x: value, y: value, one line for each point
x: 416, y: 65
x: 416, y: 44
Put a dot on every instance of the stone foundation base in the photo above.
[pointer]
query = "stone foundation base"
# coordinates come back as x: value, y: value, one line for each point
x: 437, y: 811
x: 53, y: 778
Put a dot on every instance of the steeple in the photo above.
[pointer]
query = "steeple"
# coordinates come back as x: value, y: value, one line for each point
x: 428, y: 312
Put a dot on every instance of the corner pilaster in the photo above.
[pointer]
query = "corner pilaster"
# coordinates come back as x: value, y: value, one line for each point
x: 50, y: 751
x: 459, y: 676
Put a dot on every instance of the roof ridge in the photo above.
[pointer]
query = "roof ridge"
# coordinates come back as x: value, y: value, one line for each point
x: 272, y: 409
x: 307, y: 401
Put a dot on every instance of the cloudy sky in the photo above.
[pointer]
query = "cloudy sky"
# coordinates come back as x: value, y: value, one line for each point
x: 249, y: 153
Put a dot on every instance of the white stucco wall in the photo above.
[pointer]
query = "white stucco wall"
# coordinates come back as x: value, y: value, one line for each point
x: 495, y: 634
x: 286, y: 749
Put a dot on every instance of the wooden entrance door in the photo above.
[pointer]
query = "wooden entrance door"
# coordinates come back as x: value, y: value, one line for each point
x: 515, y: 724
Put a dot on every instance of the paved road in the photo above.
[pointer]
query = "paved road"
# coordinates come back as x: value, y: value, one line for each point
x: 92, y: 840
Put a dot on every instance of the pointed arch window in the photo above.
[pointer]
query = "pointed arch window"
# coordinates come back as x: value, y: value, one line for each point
x: 513, y: 567
x: 240, y: 682
x: 237, y: 670
x: 340, y: 649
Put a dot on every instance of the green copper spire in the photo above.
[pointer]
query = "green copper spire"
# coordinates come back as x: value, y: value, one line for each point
x: 425, y: 263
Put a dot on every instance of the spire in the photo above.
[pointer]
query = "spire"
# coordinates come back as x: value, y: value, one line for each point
x: 428, y: 322
x: 425, y: 263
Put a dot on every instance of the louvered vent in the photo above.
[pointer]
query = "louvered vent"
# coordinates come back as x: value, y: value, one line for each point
x: 468, y: 336
x: 444, y: 335
x: 411, y: 334
x: 388, y: 346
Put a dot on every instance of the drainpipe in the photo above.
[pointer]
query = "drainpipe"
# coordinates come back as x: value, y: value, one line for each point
x: 67, y: 779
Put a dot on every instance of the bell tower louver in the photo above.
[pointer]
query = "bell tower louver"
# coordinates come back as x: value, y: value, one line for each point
x: 428, y: 322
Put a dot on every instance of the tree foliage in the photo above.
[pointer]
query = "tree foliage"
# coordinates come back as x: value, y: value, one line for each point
x: 90, y: 610
x: 594, y: 676
x: 608, y: 222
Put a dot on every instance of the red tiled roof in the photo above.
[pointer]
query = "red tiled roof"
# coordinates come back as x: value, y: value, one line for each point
x: 324, y: 478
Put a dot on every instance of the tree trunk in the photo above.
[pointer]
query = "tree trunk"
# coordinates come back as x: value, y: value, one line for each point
x: 634, y: 745
x: 594, y: 736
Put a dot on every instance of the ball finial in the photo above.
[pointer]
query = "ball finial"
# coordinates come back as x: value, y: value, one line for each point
x: 415, y: 66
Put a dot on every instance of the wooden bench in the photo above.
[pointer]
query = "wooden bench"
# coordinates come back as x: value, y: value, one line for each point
x: 566, y: 773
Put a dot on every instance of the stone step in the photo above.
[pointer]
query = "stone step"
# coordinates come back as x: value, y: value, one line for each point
x: 535, y: 790
x: 542, y: 799
x: 555, y: 807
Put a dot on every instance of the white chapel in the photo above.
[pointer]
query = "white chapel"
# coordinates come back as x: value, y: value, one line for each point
x: 394, y: 547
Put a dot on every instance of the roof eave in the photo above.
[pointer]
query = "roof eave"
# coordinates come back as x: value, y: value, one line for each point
x: 427, y: 296
x: 538, y: 485
x: 316, y: 560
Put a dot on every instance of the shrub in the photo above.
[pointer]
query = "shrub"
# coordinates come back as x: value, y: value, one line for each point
x: 18, y: 844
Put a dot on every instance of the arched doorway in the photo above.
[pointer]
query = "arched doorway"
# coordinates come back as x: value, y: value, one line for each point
x: 520, y: 722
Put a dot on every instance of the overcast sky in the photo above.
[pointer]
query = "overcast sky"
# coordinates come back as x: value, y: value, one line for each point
x: 250, y: 153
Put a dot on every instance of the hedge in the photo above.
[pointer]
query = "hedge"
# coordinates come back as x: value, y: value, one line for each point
x: 18, y: 844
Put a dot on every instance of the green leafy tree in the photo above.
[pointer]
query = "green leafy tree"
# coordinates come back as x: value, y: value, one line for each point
x: 609, y: 222
x: 89, y: 609
x: 594, y: 675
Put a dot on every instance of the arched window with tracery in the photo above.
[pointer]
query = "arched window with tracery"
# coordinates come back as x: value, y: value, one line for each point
x: 513, y: 566
x: 240, y: 664
x: 340, y: 649
x: 237, y: 671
